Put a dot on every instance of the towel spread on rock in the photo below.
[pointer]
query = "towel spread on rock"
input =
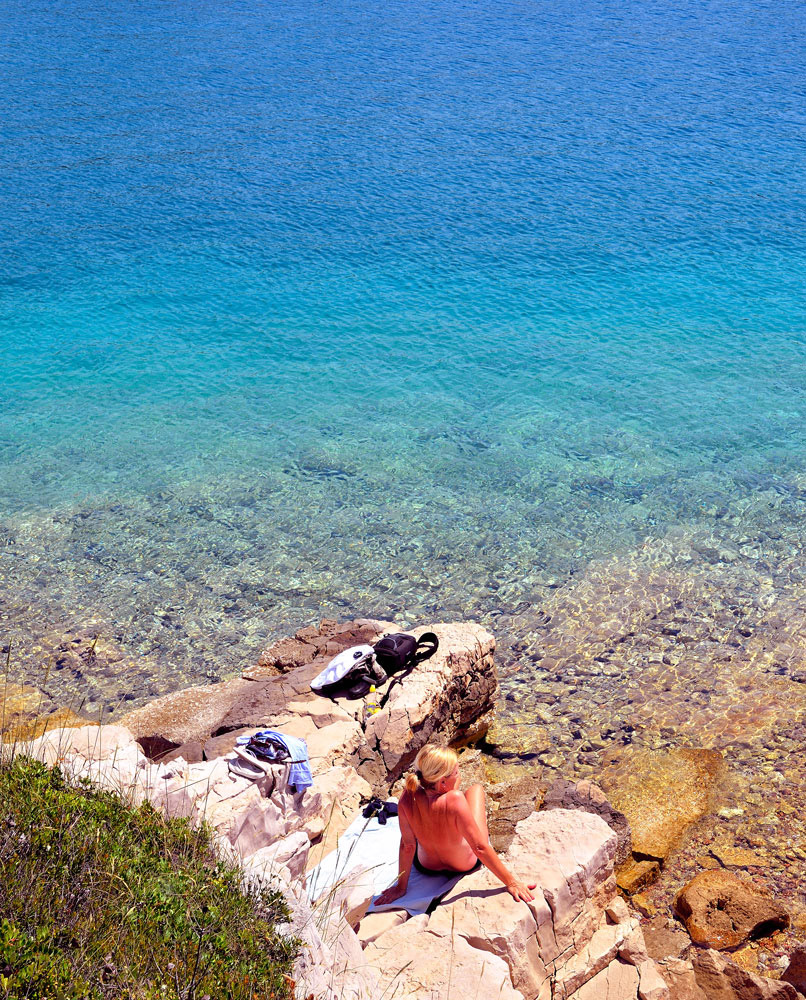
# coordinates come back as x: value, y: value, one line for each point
x: 366, y: 859
x: 265, y: 745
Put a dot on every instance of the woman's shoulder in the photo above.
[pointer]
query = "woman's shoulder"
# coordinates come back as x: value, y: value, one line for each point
x: 455, y: 800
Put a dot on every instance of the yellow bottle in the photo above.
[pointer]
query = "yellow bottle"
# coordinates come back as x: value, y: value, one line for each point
x: 371, y: 702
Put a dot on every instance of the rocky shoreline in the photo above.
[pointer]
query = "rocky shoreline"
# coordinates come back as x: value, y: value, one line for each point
x: 588, y: 942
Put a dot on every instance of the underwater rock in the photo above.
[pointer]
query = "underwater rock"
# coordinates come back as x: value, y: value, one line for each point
x: 721, y: 979
x: 636, y: 875
x: 722, y: 911
x: 518, y: 737
x: 795, y: 972
x: 18, y: 698
x: 29, y: 728
x: 661, y: 794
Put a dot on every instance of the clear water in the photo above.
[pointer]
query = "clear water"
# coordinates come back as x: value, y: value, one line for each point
x: 407, y: 310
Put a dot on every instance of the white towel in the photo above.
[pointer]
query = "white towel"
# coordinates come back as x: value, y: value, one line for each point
x: 371, y: 849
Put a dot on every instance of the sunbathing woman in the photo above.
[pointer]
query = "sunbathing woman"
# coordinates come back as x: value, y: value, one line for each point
x: 443, y: 831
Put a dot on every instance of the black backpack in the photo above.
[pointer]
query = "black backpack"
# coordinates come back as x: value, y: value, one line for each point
x: 393, y: 654
x: 403, y: 652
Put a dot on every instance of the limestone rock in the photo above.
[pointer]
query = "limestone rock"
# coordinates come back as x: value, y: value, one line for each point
x: 651, y: 985
x: 330, y: 965
x: 617, y: 981
x: 447, y: 697
x: 576, y: 938
x: 308, y: 643
x: 509, y: 803
x: 192, y: 714
x: 588, y: 797
x: 105, y: 755
x: 661, y: 794
x: 663, y: 940
x: 290, y: 852
x: 722, y: 911
x: 570, y: 856
x: 192, y: 752
x: 796, y: 970
x: 222, y: 746
x: 721, y: 979
x: 417, y: 962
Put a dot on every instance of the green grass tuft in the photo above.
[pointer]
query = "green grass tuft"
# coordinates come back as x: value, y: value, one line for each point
x: 101, y: 901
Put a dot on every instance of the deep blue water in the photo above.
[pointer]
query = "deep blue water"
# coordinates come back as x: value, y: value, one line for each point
x: 391, y: 308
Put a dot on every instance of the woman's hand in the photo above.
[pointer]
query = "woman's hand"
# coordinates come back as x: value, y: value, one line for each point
x: 520, y: 891
x: 390, y: 895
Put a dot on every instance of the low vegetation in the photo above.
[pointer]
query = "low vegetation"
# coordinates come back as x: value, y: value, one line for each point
x: 100, y: 901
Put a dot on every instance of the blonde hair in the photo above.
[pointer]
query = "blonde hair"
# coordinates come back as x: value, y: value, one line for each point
x: 430, y: 765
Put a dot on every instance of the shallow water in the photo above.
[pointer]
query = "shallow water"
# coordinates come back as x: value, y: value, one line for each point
x: 413, y: 312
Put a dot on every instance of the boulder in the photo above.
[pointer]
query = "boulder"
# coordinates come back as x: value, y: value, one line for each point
x: 795, y: 973
x: 508, y: 803
x: 308, y: 643
x: 721, y: 979
x: 661, y: 794
x: 722, y: 911
x: 588, y: 797
x: 636, y: 875
x: 415, y: 961
x: 575, y: 929
x: 192, y: 714
x: 449, y: 698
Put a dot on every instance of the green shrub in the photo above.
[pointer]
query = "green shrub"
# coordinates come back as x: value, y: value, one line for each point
x: 98, y: 900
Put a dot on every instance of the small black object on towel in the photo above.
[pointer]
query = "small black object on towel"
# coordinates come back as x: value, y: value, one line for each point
x: 377, y: 807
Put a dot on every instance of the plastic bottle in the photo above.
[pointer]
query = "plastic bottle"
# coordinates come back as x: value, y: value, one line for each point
x: 371, y: 703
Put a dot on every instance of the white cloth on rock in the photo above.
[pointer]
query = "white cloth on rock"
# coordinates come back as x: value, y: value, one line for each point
x: 372, y: 848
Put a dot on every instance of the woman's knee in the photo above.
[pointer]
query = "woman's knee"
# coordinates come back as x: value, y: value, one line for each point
x: 477, y: 801
x: 475, y: 793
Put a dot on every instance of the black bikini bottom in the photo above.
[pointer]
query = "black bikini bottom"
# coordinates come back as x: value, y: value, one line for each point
x: 447, y: 872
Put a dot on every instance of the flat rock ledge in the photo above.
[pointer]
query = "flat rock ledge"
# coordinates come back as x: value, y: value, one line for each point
x: 448, y: 698
x: 576, y: 941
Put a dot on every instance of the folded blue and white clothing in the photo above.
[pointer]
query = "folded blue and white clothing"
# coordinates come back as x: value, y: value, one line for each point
x: 277, y: 747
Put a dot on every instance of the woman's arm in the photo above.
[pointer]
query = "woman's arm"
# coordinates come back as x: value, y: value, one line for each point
x: 480, y: 846
x: 408, y: 845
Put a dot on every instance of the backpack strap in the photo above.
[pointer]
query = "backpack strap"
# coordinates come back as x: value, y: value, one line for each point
x: 427, y: 645
x: 430, y: 644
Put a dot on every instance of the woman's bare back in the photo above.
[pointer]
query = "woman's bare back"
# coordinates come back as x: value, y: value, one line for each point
x: 434, y: 821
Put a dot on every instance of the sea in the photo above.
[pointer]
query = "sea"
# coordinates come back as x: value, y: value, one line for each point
x: 423, y: 311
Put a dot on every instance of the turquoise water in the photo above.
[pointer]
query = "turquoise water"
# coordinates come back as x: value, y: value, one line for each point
x: 403, y: 310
